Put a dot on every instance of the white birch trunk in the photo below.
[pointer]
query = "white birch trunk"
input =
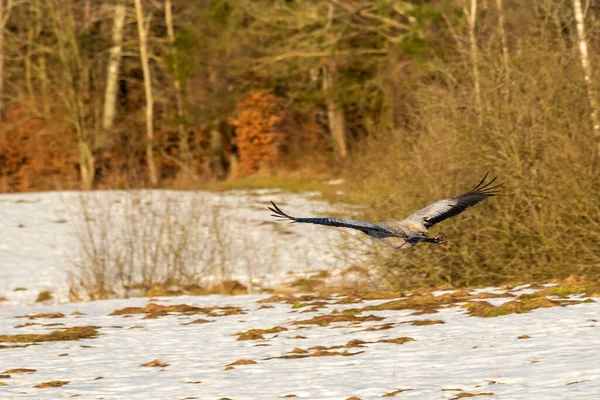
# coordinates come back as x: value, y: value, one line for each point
x: 114, y: 62
x: 335, y: 114
x: 505, y: 54
x: 472, y: 15
x: 587, y: 71
x: 143, y: 32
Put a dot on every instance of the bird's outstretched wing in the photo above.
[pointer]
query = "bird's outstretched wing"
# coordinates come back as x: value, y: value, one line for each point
x: 363, y: 226
x: 443, y: 209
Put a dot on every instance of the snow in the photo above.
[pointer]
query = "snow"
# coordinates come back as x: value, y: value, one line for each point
x: 39, y: 234
x: 560, y: 360
x: 464, y: 354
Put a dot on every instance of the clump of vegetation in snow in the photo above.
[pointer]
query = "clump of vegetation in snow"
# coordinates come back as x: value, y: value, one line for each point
x: 154, y: 244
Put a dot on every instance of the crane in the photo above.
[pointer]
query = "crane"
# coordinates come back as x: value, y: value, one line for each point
x: 412, y: 230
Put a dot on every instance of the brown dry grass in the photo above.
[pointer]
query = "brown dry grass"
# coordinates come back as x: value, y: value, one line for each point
x: 463, y: 395
x: 153, y: 310
x: 485, y: 309
x: 44, y: 295
x: 395, y: 392
x: 51, y: 384
x: 19, y: 371
x: 426, y: 322
x: 155, y: 363
x: 73, y: 333
x: 243, y: 362
x: 328, y: 351
x: 325, y: 320
x: 399, y: 340
x: 321, y: 353
x: 278, y: 298
x: 239, y: 362
x: 158, y: 310
x: 42, y: 315
x: 255, y: 334
x: 198, y: 321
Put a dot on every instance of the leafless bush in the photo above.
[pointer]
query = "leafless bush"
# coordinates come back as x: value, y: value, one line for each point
x: 150, y: 242
x: 535, y: 134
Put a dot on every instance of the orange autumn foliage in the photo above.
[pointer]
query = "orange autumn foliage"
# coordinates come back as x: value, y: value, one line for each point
x: 36, y: 154
x: 257, y: 136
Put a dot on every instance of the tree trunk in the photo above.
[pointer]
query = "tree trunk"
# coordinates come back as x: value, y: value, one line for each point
x: 471, y: 16
x: 61, y: 15
x: 184, y: 147
x: 505, y: 55
x: 28, y: 66
x: 335, y: 113
x: 43, y: 77
x: 217, y: 151
x: 2, y: 20
x: 587, y: 71
x: 143, y: 32
x: 112, y: 74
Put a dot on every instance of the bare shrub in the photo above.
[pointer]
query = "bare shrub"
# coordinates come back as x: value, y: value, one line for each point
x: 538, y: 143
x: 151, y: 242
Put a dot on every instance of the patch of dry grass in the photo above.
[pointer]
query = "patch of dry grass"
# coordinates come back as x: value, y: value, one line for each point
x: 43, y: 296
x: 198, y: 321
x: 328, y: 351
x: 155, y: 363
x: 464, y: 395
x: 325, y: 320
x: 395, y: 392
x: 42, y: 315
x: 51, y: 384
x: 20, y: 371
x: 425, y: 322
x: 35, y: 323
x: 398, y: 340
x: 321, y: 353
x: 153, y: 310
x: 565, y: 289
x: 239, y: 362
x: 307, y: 299
x: 255, y: 334
x: 523, y: 304
x: 73, y: 333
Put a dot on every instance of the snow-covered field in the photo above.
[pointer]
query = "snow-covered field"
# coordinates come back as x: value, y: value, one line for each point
x: 549, y: 353
x: 261, y: 347
x: 39, y: 235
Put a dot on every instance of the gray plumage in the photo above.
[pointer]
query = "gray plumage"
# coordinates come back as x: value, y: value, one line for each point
x: 410, y: 231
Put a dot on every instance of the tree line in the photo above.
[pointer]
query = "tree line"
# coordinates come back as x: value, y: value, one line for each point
x: 120, y: 93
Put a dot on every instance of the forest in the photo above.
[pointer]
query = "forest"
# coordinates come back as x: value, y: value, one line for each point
x: 407, y: 101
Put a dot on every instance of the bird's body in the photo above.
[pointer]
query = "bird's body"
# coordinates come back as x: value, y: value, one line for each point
x: 412, y: 230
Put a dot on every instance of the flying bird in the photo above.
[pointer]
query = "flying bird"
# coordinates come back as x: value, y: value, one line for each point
x: 412, y: 230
